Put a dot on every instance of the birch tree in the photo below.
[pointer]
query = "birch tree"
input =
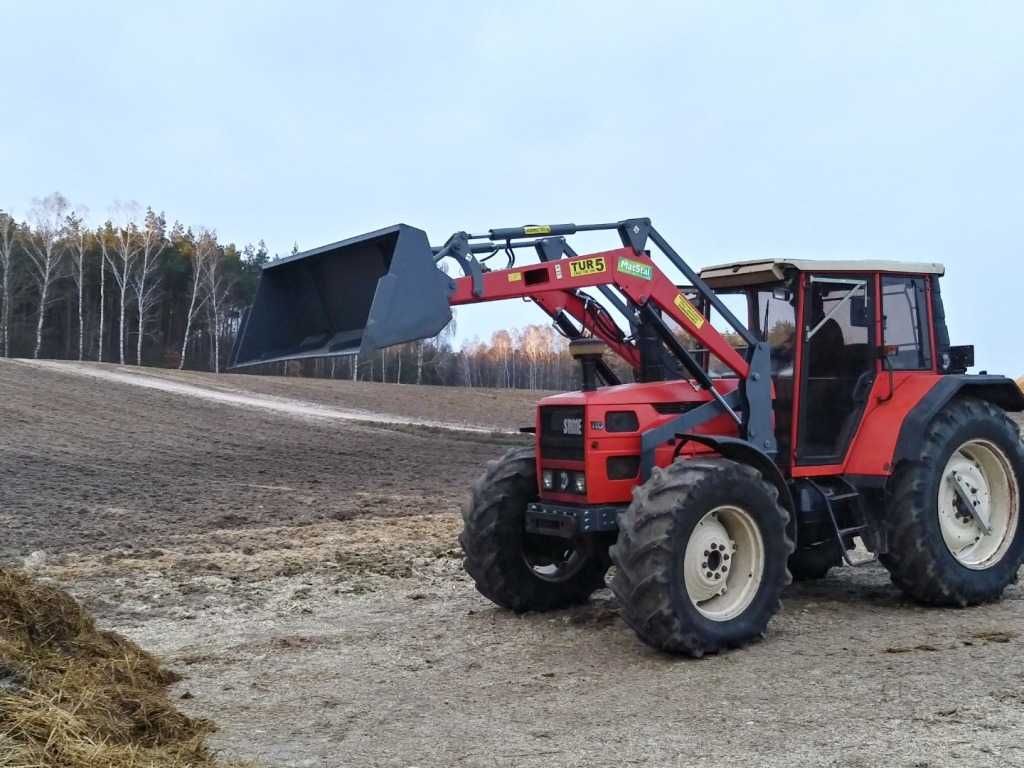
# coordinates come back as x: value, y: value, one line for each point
x: 205, y: 245
x: 218, y: 286
x: 145, y: 278
x: 78, y: 242
x: 7, y: 232
x: 121, y: 255
x: 105, y: 237
x: 44, y: 252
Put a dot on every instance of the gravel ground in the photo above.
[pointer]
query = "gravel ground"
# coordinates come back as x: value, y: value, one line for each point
x: 303, y: 575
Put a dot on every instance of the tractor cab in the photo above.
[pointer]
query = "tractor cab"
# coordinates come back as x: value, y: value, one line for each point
x: 843, y: 335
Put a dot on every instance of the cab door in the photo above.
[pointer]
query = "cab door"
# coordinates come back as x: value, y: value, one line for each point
x: 838, y: 364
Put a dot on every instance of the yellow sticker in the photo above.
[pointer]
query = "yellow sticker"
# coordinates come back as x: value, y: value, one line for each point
x: 515, y: 277
x: 690, y: 311
x: 537, y: 229
x: 591, y: 265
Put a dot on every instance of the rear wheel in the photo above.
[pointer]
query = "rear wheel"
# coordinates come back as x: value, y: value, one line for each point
x: 515, y: 569
x: 956, y: 536
x: 701, y: 556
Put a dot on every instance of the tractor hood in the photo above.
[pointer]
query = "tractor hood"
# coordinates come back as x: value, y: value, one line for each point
x: 650, y: 393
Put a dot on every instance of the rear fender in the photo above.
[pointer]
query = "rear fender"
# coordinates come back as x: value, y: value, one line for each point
x: 998, y: 390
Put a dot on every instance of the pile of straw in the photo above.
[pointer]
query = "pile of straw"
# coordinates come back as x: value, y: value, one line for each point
x: 75, y: 696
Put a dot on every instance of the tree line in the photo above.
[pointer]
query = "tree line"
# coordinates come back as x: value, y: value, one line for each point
x: 132, y: 290
x: 137, y: 290
x: 532, y: 357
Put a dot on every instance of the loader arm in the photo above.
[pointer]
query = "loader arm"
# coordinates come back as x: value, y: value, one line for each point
x: 384, y: 288
x: 555, y: 285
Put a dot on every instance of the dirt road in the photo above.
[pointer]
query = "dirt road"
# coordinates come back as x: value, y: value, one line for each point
x: 301, y: 571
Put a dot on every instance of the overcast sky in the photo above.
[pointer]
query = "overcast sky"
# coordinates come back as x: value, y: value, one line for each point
x: 821, y: 130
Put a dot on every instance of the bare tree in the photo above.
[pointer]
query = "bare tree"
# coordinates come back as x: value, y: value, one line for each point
x: 218, y: 286
x: 121, y: 254
x: 145, y: 277
x: 78, y: 241
x: 447, y: 333
x: 45, y: 251
x: 7, y: 232
x: 105, y: 237
x: 205, y: 245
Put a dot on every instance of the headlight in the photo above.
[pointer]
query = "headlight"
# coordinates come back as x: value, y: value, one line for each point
x: 563, y: 481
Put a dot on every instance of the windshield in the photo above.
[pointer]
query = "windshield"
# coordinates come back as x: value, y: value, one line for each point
x: 774, y: 320
x: 737, y: 302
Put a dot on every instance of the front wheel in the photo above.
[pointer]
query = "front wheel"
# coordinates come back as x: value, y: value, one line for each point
x: 701, y: 556
x: 516, y: 569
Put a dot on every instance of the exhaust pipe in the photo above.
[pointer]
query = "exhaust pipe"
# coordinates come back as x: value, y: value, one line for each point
x: 354, y: 296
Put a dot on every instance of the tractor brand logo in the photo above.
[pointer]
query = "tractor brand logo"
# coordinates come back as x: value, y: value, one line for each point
x: 591, y: 266
x: 689, y: 311
x: 636, y: 269
x: 572, y: 427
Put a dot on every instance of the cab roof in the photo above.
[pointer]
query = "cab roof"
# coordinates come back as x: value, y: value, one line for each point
x: 772, y: 270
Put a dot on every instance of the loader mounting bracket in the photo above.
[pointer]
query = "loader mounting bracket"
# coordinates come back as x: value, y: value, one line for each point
x: 457, y: 248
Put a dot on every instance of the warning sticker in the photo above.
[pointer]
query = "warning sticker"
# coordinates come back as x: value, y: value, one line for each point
x: 515, y: 277
x: 690, y: 311
x: 537, y: 229
x: 635, y: 268
x: 590, y: 266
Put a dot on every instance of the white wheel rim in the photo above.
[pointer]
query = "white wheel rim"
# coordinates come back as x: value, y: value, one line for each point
x: 979, y: 533
x: 723, y: 565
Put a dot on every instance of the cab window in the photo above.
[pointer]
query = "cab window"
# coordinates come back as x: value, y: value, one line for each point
x: 905, y: 323
x: 838, y: 365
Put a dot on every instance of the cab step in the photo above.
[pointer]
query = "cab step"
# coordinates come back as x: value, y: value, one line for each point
x: 851, y: 501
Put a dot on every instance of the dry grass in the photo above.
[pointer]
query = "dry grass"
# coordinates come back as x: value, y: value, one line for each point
x: 74, y: 696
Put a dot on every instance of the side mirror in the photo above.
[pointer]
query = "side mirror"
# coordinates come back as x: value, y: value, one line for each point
x: 781, y: 293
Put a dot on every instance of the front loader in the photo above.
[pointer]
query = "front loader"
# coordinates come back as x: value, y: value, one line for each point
x: 829, y: 422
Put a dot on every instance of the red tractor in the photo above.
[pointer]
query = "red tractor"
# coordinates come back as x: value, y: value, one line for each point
x: 832, y: 412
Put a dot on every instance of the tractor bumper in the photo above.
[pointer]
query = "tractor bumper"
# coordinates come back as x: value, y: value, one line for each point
x: 568, y: 521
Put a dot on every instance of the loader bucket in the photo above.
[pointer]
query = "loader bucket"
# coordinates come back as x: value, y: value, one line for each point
x: 354, y: 296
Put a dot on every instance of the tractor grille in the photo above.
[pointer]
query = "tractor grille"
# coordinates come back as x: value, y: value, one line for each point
x: 561, y: 432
